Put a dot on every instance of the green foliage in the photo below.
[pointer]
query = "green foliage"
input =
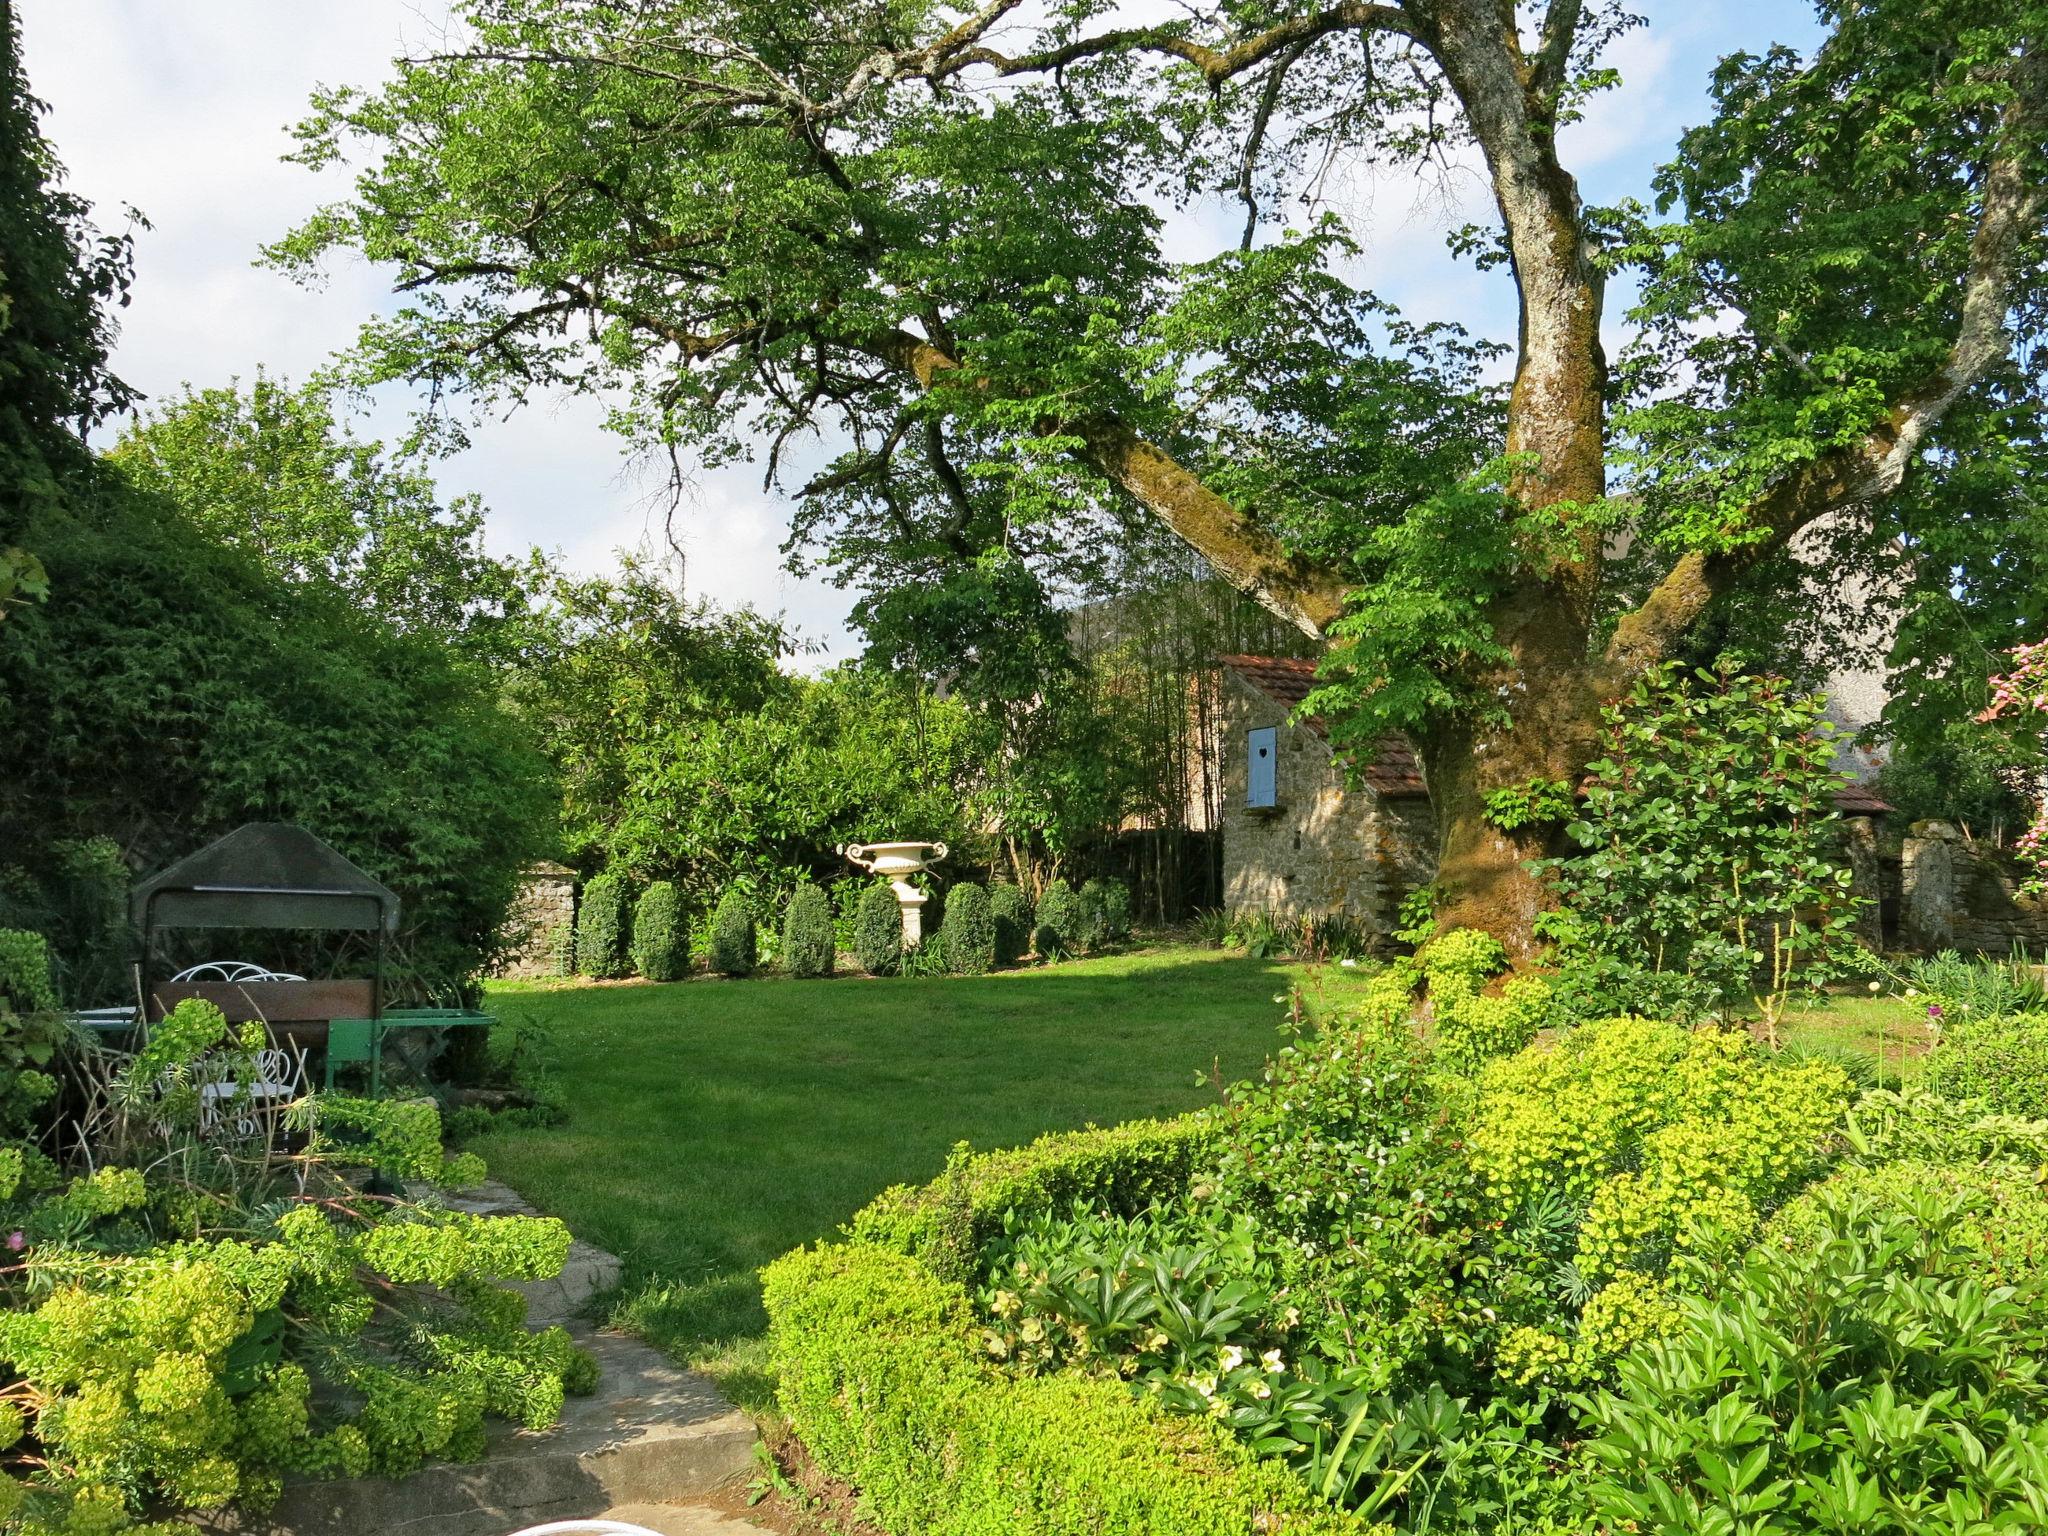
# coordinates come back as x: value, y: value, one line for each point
x: 561, y: 943
x: 60, y: 283
x: 878, y: 931
x: 1661, y: 1142
x: 969, y: 933
x: 1056, y: 929
x: 1010, y: 909
x: 602, y: 927
x: 1470, y: 1025
x: 1866, y: 1374
x: 27, y: 984
x: 186, y: 1333
x: 1105, y: 912
x: 809, y: 941
x: 273, y: 471
x: 945, y: 1224
x: 397, y: 751
x: 732, y: 950
x: 875, y: 1361
x: 1998, y: 1063
x: 661, y: 939
x: 1707, y: 876
x: 1536, y: 803
x: 1960, y: 991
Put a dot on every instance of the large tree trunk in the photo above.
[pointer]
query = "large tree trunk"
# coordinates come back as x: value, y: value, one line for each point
x: 1550, y: 734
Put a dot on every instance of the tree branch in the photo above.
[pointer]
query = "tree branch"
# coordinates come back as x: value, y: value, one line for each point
x: 1247, y: 556
x: 2014, y: 201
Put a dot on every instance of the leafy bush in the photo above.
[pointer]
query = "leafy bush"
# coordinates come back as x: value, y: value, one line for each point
x: 946, y: 1223
x: 26, y: 982
x: 191, y: 1330
x: 1976, y: 988
x: 809, y: 942
x: 877, y: 1366
x: 601, y: 928
x: 562, y: 949
x: 878, y: 931
x: 732, y: 934
x: 969, y: 935
x: 1010, y: 910
x: 1093, y: 901
x: 661, y: 939
x: 2001, y: 1063
x: 1658, y: 1142
x: 1864, y: 1377
x: 1708, y: 876
x: 1056, y: 930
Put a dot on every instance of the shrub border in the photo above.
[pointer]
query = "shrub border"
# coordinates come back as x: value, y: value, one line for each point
x: 874, y: 1344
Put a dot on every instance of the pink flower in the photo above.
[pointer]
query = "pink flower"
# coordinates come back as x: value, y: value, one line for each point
x: 16, y: 1241
x: 1934, y: 1010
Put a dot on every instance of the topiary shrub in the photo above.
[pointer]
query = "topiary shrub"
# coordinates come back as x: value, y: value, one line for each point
x: 732, y: 935
x: 968, y: 938
x: 878, y: 931
x: 601, y: 929
x: 1010, y: 911
x: 809, y: 944
x: 1093, y: 903
x: 1056, y: 932
x: 1116, y: 911
x: 661, y: 944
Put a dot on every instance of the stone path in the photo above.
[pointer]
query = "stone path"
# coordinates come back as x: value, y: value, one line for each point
x: 651, y: 1436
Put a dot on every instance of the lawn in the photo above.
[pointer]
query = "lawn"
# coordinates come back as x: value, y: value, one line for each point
x: 714, y: 1125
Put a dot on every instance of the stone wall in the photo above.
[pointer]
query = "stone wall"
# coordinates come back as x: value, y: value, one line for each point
x: 546, y: 904
x: 1322, y: 848
x: 1958, y: 894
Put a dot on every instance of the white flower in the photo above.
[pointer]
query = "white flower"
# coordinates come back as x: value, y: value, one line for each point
x: 1347, y: 963
x: 1157, y: 1344
x: 1272, y: 1361
x: 1233, y: 1357
x: 1877, y: 986
x: 1262, y: 1391
x: 1291, y: 1318
x: 1205, y: 1385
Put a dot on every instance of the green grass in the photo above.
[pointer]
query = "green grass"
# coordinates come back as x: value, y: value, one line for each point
x: 1890, y: 1029
x: 713, y: 1125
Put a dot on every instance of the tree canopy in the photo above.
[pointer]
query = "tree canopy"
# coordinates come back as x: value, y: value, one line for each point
x: 938, y: 233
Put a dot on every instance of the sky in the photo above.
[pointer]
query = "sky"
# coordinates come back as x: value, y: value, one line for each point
x: 179, y: 108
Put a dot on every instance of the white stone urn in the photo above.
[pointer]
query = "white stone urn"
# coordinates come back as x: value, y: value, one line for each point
x: 897, y: 862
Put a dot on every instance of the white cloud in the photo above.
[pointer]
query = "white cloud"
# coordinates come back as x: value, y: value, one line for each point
x: 181, y: 110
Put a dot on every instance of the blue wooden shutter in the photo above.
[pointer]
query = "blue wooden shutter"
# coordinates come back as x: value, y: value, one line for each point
x: 1262, y: 753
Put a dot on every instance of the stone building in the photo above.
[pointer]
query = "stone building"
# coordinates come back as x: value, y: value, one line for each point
x: 1297, y: 842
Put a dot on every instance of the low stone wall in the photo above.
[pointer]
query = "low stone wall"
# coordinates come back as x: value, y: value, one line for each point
x: 1957, y: 894
x: 545, y: 905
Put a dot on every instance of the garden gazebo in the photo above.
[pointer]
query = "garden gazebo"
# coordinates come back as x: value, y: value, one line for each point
x: 268, y: 874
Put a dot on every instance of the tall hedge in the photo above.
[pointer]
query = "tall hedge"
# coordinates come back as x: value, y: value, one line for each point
x: 602, y: 928
x: 732, y: 934
x: 1010, y: 910
x: 878, y: 931
x: 661, y: 943
x: 969, y: 935
x: 1057, y: 930
x: 808, y: 940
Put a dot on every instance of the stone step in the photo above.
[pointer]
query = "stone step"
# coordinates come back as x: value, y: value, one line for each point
x: 651, y: 1434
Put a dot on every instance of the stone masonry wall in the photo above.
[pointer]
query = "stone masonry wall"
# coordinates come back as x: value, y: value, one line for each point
x: 1322, y: 849
x: 1956, y: 894
x: 545, y: 904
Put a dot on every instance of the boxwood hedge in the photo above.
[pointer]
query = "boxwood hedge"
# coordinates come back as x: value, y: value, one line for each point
x: 874, y: 1345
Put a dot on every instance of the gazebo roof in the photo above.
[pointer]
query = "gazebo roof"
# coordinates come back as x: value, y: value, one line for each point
x: 268, y: 874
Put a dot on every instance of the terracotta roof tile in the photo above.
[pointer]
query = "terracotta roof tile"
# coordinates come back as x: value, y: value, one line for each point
x: 1394, y: 769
